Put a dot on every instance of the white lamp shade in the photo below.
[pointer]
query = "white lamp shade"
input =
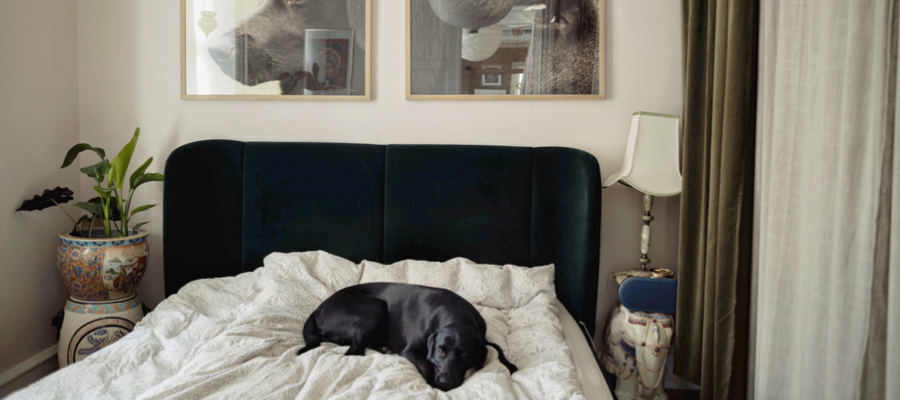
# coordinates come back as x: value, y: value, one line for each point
x: 483, y: 44
x: 651, y: 157
x: 471, y: 14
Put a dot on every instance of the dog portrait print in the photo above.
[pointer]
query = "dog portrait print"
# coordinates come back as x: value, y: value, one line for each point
x: 275, y: 47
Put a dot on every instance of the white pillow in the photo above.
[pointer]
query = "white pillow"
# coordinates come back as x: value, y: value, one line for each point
x: 501, y: 287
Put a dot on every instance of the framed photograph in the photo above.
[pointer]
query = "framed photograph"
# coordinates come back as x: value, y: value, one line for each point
x: 276, y: 49
x: 492, y: 80
x: 329, y: 61
x: 547, y: 49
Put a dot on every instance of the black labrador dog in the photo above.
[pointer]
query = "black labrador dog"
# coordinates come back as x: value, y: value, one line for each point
x: 437, y: 330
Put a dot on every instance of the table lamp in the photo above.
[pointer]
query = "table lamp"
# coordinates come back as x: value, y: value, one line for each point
x: 651, y: 166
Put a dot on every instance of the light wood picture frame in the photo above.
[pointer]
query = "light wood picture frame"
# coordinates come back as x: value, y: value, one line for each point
x: 258, y: 50
x: 546, y: 49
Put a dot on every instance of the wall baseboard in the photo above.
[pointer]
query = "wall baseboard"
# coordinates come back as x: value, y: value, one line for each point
x: 27, y: 365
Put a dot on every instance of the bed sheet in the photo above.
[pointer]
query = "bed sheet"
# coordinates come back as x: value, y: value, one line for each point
x: 237, y: 338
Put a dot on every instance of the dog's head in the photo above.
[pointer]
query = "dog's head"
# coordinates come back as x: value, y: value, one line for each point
x: 268, y: 44
x: 453, y: 351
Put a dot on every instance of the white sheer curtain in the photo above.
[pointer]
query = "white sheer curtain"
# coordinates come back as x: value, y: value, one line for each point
x: 825, y: 156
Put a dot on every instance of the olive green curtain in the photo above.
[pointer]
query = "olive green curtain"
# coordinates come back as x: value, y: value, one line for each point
x: 720, y: 45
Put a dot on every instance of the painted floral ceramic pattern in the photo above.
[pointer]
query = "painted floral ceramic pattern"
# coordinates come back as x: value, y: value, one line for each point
x: 100, y: 339
x: 101, y: 270
x: 106, y: 308
x: 80, y: 269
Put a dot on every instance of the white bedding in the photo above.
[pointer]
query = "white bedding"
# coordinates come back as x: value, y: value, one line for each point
x: 237, y: 338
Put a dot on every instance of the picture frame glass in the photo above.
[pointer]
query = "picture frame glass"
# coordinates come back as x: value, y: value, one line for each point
x: 270, y: 49
x: 519, y: 48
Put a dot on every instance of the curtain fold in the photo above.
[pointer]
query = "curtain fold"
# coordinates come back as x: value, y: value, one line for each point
x: 892, y: 352
x: 892, y: 330
x: 873, y: 384
x: 828, y: 199
x: 720, y: 87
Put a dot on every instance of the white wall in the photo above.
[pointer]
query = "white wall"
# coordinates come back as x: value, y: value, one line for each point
x: 38, y: 124
x: 129, y: 76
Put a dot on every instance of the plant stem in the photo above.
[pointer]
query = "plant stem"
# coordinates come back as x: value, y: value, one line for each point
x: 103, y: 205
x: 106, y: 226
x: 122, y: 212
x: 104, y: 202
x: 128, y: 203
x: 70, y: 217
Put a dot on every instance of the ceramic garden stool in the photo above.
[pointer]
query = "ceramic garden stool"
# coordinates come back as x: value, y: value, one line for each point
x: 89, y: 326
x: 101, y: 275
x: 639, y: 335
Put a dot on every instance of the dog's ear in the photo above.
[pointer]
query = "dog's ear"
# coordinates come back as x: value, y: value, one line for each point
x: 431, y: 345
x: 483, y: 349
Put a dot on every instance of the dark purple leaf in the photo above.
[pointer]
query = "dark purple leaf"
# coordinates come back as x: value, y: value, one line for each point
x: 48, y: 199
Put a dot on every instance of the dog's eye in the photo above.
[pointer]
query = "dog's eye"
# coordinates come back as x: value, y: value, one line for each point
x: 463, y: 355
x: 441, y: 352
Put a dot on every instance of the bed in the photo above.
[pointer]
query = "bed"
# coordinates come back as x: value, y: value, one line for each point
x: 256, y: 234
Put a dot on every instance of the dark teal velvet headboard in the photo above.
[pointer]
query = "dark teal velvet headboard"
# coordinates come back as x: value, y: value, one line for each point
x: 228, y: 204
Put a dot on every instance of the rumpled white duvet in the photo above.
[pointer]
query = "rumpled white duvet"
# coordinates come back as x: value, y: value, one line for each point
x: 237, y: 338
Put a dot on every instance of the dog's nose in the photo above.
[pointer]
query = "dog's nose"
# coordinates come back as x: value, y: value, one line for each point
x: 445, y: 382
x: 222, y: 47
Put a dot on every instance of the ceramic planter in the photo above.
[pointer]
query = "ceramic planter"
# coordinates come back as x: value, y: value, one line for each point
x: 102, y: 269
x: 102, y: 275
x: 91, y: 326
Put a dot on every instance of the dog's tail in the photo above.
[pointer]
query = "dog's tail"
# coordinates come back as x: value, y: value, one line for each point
x: 310, y: 335
x: 512, y: 367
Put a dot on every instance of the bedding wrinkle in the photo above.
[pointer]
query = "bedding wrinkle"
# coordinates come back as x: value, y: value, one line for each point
x: 237, y: 338
x: 358, y: 377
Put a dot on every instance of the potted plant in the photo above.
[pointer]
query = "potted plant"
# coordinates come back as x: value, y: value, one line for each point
x: 103, y: 258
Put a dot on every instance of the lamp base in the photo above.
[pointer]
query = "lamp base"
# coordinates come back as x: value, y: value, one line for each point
x: 657, y: 273
x: 661, y: 273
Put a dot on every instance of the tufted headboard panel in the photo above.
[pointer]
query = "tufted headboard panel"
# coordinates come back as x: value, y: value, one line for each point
x: 228, y: 204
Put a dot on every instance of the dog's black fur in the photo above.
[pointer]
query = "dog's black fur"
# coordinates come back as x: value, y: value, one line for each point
x: 437, y: 330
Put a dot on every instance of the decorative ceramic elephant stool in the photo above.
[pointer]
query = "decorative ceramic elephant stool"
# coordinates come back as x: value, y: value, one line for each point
x: 637, y: 348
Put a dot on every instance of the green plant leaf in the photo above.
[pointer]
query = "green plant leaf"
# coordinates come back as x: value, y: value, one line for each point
x: 119, y: 165
x: 49, y: 198
x: 137, y: 173
x: 146, y: 178
x: 77, y: 149
x: 95, y: 209
x: 113, y: 208
x: 104, y: 192
x: 141, y: 208
x: 98, y: 171
x: 138, y: 226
